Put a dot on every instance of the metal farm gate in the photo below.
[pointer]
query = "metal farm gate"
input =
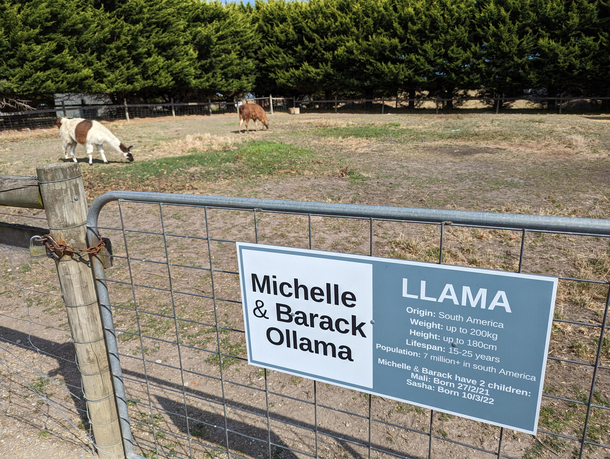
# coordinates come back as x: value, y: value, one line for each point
x: 174, y: 325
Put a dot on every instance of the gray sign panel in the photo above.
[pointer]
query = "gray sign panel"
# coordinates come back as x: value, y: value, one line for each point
x: 465, y: 341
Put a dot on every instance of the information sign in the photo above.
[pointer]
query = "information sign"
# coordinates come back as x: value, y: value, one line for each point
x: 465, y: 341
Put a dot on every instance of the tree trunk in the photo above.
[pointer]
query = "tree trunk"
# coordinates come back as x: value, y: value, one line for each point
x: 448, y: 103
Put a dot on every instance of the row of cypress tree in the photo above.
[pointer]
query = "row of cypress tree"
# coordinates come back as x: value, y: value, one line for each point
x: 187, y: 49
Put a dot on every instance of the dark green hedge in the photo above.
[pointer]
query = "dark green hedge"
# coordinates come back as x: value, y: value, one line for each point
x: 187, y: 49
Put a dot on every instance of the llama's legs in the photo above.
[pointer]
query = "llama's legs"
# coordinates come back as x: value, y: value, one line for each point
x: 100, y: 150
x: 65, y: 150
x: 72, y: 149
x: 90, y: 153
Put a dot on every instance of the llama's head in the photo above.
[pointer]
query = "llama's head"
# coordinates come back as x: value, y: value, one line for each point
x: 127, y: 152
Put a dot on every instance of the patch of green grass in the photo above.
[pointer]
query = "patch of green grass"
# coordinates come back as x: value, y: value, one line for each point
x: 253, y: 159
x: 404, y: 409
x: 24, y: 268
x: 534, y: 451
x: 40, y: 387
x: 548, y: 443
x: 128, y: 335
x: 157, y: 327
x: 444, y: 417
x: 198, y: 430
x: 579, y: 349
x: 351, y: 174
x: 550, y: 419
x: 233, y: 349
x: 145, y: 418
x: 214, y: 454
x: 580, y: 394
x: 600, y: 399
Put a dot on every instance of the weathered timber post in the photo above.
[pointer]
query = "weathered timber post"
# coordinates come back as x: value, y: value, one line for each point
x: 382, y: 105
x: 63, y: 195
x: 209, y: 107
x: 63, y: 107
x: 126, y: 110
x: 173, y: 109
x: 271, y: 103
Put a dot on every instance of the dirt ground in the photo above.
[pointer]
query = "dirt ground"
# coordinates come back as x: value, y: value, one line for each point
x: 19, y: 440
x: 521, y: 163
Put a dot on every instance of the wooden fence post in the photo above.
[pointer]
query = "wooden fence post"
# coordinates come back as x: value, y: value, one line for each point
x: 210, y: 107
x: 63, y: 107
x: 382, y: 105
x: 173, y: 109
x: 126, y: 110
x: 63, y: 195
x: 498, y: 106
x: 271, y: 103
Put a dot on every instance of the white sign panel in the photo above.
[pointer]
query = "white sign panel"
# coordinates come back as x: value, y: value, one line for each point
x: 316, y: 311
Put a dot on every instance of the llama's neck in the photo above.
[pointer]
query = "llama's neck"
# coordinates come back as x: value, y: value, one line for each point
x: 114, y: 142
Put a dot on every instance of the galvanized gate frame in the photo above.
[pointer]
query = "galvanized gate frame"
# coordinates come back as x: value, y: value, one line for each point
x: 515, y: 222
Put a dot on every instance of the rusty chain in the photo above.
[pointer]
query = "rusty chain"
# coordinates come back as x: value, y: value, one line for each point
x: 60, y: 249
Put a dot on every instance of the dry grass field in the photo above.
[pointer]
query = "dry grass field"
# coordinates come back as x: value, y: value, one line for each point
x: 542, y: 164
x: 518, y: 163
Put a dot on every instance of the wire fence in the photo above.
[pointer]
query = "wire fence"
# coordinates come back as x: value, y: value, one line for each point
x: 39, y: 379
x: 175, y: 296
x: 45, y: 119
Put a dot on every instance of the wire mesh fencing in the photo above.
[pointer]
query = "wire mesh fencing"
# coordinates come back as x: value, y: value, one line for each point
x: 46, y: 118
x: 39, y: 378
x: 174, y: 293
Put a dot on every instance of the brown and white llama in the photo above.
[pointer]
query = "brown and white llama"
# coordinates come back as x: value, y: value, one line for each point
x: 89, y: 133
